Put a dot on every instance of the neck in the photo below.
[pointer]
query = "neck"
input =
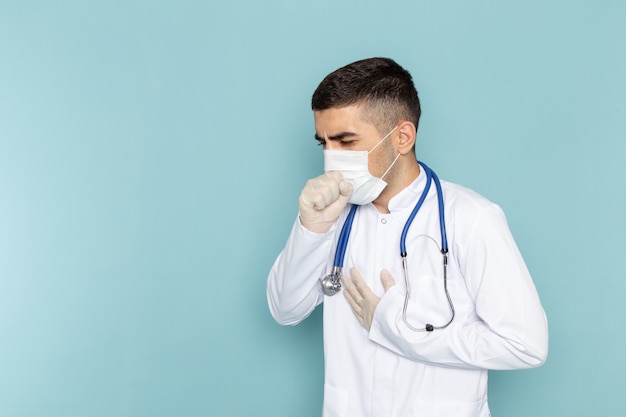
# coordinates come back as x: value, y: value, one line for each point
x: 397, y: 180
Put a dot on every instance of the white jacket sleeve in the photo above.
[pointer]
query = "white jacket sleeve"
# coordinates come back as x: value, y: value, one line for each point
x: 293, y: 285
x: 510, y: 331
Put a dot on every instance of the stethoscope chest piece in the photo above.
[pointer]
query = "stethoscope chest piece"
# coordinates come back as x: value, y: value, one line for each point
x: 331, y: 283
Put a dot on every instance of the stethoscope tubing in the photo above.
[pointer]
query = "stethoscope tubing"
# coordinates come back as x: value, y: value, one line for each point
x: 430, y: 177
x: 344, y: 236
x: 333, y: 285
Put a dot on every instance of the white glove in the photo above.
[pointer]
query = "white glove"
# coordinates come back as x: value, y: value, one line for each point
x: 362, y: 299
x: 322, y: 200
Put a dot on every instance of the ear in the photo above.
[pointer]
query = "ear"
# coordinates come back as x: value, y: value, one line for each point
x: 406, y: 137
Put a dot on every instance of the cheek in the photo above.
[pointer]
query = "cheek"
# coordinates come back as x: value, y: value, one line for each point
x: 379, y: 162
x: 374, y: 166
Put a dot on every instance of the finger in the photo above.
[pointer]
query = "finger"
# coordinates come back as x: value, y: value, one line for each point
x: 387, y: 279
x: 349, y: 295
x: 359, y: 283
x: 346, y: 188
x: 335, y: 176
x: 310, y: 197
x: 317, y: 201
x: 320, y: 192
x: 352, y: 295
x: 347, y: 281
x: 356, y: 308
x: 330, y: 189
x: 351, y: 289
x: 324, y: 192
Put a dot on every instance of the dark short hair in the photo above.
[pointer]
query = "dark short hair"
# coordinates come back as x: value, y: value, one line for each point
x: 383, y: 87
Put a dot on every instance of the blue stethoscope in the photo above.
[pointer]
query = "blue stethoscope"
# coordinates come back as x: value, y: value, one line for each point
x: 331, y: 283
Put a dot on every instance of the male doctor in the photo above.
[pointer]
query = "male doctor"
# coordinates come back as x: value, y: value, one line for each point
x: 401, y: 342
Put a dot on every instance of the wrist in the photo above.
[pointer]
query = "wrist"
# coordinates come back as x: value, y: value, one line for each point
x: 316, y: 227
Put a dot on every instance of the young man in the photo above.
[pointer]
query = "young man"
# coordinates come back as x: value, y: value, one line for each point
x: 419, y: 322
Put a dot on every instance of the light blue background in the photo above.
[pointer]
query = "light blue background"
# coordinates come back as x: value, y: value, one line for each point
x: 151, y: 155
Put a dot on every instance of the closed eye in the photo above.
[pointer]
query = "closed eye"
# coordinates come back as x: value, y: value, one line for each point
x: 320, y: 140
x: 347, y: 139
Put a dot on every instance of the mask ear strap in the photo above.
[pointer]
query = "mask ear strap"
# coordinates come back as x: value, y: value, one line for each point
x: 391, y: 166
x: 381, y: 141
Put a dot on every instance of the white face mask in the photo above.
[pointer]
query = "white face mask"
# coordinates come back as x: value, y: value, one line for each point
x: 353, y: 166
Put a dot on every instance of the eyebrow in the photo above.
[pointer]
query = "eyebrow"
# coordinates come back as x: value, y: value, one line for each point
x: 336, y: 136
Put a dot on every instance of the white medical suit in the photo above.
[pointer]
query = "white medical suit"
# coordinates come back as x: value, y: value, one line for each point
x: 392, y: 370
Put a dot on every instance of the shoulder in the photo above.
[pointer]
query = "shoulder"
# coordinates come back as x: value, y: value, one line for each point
x: 465, y: 199
x: 470, y: 213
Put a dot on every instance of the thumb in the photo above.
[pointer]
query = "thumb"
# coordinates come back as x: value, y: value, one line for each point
x: 387, y: 279
x: 345, y: 188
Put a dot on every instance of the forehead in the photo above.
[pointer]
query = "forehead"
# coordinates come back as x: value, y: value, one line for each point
x: 341, y: 119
